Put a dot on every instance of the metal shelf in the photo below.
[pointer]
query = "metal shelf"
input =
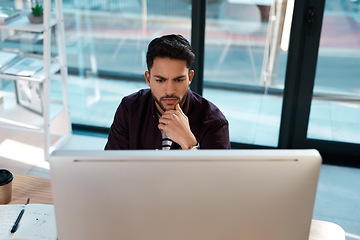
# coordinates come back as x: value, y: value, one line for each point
x: 38, y: 77
x: 23, y: 24
x: 55, y: 117
x: 17, y: 117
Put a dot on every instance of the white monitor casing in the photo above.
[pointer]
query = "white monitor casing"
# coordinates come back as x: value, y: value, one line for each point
x: 184, y: 195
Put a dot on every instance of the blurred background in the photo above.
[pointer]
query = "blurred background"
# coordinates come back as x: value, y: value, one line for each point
x: 245, y: 60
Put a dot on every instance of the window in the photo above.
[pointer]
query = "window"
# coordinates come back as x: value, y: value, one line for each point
x: 335, y: 108
x: 245, y: 63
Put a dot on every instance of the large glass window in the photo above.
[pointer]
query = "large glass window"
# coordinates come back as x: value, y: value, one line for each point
x: 245, y: 61
x: 335, y: 108
x: 106, y: 47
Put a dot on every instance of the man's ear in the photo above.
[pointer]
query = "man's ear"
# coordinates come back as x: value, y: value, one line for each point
x: 147, y: 78
x: 191, y: 75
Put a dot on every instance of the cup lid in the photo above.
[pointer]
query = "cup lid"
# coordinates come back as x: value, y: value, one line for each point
x: 5, y: 177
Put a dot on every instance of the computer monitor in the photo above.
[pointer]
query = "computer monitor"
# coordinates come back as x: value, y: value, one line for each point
x: 184, y: 195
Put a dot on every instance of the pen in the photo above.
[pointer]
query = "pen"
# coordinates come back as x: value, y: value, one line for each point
x: 16, y: 224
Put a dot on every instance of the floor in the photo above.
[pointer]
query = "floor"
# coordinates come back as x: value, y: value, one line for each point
x: 337, y: 199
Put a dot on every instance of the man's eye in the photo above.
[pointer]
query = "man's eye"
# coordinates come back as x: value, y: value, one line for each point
x: 160, y: 80
x: 179, y: 79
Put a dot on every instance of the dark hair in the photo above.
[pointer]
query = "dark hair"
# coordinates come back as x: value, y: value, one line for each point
x: 171, y: 46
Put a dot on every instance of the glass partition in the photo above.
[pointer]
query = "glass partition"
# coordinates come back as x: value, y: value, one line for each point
x: 106, y: 48
x: 335, y: 107
x: 246, y: 43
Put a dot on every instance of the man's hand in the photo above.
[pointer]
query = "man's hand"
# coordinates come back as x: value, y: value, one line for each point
x: 176, y: 125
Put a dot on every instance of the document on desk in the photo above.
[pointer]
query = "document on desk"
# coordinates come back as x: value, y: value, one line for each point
x: 38, y: 222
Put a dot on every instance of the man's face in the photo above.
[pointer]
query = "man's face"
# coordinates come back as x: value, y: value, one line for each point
x: 168, y: 80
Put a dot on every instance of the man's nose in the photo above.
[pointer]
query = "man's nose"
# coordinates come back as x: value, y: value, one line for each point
x: 170, y: 87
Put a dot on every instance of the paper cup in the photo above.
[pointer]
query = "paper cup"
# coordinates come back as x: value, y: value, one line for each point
x: 6, y: 178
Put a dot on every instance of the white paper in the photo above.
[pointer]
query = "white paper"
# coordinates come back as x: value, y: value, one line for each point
x: 7, y: 57
x: 37, y: 223
x: 26, y: 66
x: 8, y: 215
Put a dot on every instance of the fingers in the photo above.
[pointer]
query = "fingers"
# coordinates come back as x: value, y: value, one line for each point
x: 162, y: 127
x: 178, y: 108
x: 166, y: 117
x: 166, y: 120
x: 171, y: 119
x: 172, y: 113
x: 176, y: 125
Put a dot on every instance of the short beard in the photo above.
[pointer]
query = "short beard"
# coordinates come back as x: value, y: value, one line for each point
x: 181, y: 101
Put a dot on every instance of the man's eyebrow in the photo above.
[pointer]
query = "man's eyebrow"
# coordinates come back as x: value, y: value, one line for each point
x: 161, y: 77
x: 179, y: 77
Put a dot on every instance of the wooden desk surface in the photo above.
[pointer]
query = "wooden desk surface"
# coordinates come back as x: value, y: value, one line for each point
x: 39, y: 191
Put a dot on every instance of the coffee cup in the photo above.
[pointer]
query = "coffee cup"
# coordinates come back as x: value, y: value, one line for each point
x: 6, y: 178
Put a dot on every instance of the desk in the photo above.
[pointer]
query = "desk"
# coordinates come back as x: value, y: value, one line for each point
x: 39, y: 190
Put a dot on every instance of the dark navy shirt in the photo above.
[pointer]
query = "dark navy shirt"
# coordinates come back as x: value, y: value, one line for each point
x: 135, y: 123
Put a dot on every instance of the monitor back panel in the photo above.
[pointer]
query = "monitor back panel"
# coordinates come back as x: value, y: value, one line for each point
x: 192, y: 195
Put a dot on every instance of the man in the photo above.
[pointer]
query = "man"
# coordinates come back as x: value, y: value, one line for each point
x: 168, y: 115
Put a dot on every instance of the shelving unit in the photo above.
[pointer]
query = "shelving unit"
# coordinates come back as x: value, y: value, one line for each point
x: 55, y: 119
